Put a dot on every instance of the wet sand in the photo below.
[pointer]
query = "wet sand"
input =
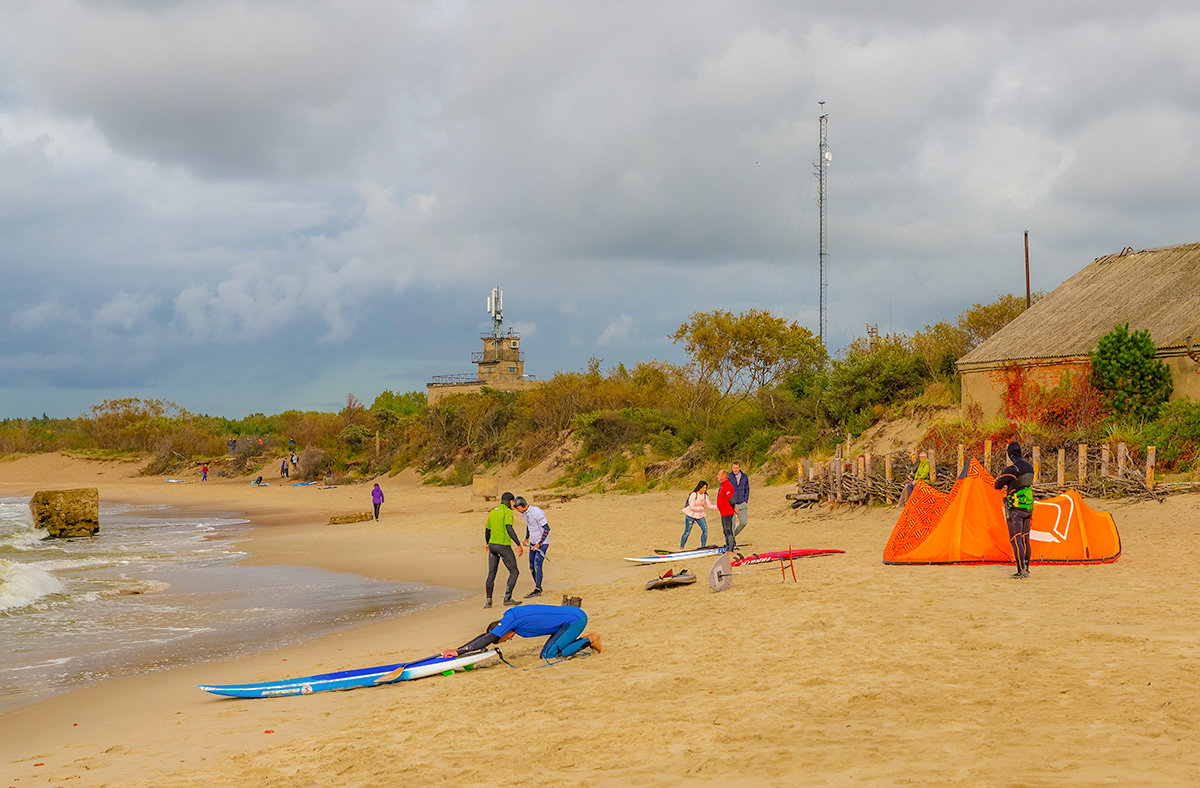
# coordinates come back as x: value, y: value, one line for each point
x: 856, y: 673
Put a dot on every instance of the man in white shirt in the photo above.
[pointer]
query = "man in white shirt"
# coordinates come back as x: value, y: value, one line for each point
x: 537, y: 539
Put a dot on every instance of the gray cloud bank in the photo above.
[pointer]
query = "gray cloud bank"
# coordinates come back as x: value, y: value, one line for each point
x: 257, y: 206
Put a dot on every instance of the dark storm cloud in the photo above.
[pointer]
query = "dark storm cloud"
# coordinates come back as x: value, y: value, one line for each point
x: 256, y: 205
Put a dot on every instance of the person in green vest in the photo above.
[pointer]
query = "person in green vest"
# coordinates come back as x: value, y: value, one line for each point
x: 1017, y: 480
x: 921, y: 474
x: 499, y: 537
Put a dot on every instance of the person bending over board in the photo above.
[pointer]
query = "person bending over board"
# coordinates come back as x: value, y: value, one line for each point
x: 499, y: 537
x: 564, y: 624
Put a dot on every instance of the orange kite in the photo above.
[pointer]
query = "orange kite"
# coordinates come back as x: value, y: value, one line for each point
x: 967, y: 526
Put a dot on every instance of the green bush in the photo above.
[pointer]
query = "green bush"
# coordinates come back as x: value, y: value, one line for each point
x: 1176, y: 435
x: 1133, y: 381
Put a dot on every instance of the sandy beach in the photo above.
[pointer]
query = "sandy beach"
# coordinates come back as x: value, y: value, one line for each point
x: 856, y: 673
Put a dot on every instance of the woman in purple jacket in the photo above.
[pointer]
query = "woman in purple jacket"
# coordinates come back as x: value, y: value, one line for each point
x: 377, y: 499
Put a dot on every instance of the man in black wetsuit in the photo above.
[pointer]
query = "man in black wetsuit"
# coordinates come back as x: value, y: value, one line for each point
x: 1018, y: 505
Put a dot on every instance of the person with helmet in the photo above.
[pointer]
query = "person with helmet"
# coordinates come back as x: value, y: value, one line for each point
x: 499, y: 537
x: 537, y: 539
x: 1017, y: 479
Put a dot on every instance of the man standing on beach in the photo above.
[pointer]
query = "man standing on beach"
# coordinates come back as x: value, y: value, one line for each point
x: 204, y: 472
x: 537, y: 539
x: 741, y: 495
x: 1017, y: 478
x: 726, y: 508
x: 499, y: 537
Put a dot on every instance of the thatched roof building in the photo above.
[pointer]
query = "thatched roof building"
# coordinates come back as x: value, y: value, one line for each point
x: 1154, y: 289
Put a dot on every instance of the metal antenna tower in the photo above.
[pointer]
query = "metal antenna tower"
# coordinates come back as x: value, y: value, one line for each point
x: 495, y: 308
x: 823, y: 159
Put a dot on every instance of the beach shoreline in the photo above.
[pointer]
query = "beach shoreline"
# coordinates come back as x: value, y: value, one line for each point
x: 856, y: 672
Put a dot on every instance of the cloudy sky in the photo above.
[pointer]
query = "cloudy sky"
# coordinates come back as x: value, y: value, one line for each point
x: 258, y: 206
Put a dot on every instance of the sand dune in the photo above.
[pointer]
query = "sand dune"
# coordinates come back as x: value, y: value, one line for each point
x: 856, y: 673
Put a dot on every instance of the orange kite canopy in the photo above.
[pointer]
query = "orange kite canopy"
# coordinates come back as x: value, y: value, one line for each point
x: 967, y: 526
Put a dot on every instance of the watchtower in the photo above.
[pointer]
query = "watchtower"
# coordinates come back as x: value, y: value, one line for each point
x: 500, y: 365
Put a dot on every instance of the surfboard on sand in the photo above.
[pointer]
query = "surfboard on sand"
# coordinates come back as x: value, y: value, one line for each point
x: 671, y: 579
x: 682, y: 555
x: 353, y: 679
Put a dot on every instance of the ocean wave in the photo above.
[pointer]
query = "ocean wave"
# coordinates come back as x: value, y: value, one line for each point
x: 21, y: 585
x: 25, y: 540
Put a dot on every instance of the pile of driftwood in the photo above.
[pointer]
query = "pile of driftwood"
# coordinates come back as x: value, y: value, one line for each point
x: 868, y: 478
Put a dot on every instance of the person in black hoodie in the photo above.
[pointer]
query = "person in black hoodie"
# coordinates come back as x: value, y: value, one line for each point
x: 1018, y: 505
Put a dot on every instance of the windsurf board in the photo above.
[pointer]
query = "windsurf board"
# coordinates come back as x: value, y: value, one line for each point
x: 352, y: 679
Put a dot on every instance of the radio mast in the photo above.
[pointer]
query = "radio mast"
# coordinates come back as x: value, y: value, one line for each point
x: 823, y: 159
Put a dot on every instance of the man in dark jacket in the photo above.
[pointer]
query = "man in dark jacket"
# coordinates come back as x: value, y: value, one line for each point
x: 1017, y: 479
x: 741, y: 496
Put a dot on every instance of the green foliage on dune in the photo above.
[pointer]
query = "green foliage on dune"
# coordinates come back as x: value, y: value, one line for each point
x: 621, y: 428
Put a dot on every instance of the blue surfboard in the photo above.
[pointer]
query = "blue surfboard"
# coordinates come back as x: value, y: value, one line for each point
x: 353, y: 679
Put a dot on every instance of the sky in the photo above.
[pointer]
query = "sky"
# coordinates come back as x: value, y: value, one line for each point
x: 248, y: 207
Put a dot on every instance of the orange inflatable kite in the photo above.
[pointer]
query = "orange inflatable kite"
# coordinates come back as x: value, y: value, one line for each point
x: 967, y: 526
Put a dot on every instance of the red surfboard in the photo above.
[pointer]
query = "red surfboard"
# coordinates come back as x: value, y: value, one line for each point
x: 779, y: 555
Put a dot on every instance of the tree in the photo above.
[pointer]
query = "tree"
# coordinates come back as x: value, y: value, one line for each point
x: 739, y: 354
x: 982, y: 320
x: 1133, y: 381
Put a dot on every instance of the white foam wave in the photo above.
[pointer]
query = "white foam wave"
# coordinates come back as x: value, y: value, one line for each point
x: 26, y: 539
x: 23, y: 584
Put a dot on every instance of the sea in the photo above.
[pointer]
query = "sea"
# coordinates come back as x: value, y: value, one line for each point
x: 157, y: 588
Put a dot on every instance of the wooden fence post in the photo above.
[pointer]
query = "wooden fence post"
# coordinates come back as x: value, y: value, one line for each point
x: 812, y: 470
x: 1062, y: 466
x: 932, y: 457
x: 1104, y: 460
x: 1083, y: 452
x: 1037, y: 463
x: 833, y: 463
x: 1122, y: 458
x: 987, y: 455
x: 887, y: 477
x: 1149, y: 467
x: 961, y: 458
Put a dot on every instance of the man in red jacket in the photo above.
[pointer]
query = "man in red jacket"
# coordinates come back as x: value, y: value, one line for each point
x: 726, y: 508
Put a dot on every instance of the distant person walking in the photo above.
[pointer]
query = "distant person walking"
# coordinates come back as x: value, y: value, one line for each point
x: 499, y: 537
x: 537, y: 539
x: 295, y: 462
x: 376, y: 499
x: 741, y: 495
x: 204, y: 472
x: 726, y: 508
x: 283, y: 469
x: 694, y: 514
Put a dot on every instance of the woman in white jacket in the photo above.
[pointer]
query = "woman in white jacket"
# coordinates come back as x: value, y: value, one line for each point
x: 694, y: 512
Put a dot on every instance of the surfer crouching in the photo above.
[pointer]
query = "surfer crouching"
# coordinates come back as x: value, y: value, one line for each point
x: 563, y: 624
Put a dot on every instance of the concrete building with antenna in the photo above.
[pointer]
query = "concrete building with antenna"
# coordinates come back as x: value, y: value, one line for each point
x: 500, y: 365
